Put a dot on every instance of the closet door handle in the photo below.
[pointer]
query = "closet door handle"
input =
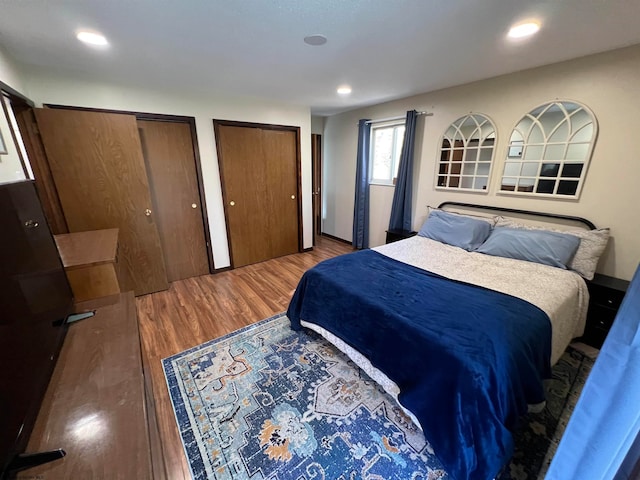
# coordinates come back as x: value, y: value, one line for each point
x: 232, y: 203
x: 147, y: 212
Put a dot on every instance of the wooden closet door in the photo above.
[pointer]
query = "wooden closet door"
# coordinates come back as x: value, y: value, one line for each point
x: 259, y: 175
x: 281, y: 207
x: 98, y: 169
x: 170, y: 159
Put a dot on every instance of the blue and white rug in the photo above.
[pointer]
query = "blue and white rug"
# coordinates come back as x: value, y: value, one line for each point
x: 266, y: 402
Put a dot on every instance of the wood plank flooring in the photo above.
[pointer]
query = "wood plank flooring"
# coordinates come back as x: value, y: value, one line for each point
x: 199, y: 309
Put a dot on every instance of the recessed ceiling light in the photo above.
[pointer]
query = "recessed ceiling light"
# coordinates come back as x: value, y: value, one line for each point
x: 344, y: 90
x: 523, y: 30
x: 315, y: 40
x: 92, y: 38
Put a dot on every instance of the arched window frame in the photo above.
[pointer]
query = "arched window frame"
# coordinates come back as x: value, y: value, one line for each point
x: 458, y: 167
x: 556, y: 175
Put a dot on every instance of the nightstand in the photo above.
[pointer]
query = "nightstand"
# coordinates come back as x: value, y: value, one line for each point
x: 605, y: 296
x: 395, y: 235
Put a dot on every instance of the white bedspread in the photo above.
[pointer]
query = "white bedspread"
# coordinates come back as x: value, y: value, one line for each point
x: 561, y: 294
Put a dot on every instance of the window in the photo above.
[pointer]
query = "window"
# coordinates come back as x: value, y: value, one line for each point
x: 466, y: 154
x: 549, y: 151
x: 386, y: 145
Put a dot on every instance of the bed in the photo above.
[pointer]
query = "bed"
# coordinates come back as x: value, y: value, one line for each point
x: 461, y: 339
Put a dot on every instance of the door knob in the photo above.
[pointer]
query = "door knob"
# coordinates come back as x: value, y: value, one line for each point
x: 31, y: 223
x: 147, y: 212
x: 193, y: 205
x: 232, y: 203
x: 293, y: 197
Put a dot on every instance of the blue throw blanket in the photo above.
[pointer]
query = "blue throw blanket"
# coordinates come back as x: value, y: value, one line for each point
x: 467, y: 359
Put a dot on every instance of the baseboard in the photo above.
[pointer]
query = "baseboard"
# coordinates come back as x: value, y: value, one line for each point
x: 222, y: 269
x: 308, y: 249
x: 337, y: 239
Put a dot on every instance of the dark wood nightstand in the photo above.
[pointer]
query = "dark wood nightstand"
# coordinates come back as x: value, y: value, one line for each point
x: 395, y: 235
x: 605, y: 296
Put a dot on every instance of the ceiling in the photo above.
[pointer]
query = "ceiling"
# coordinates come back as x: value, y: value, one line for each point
x: 384, y: 49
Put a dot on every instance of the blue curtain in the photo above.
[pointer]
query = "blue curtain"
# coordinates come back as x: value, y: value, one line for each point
x: 361, y: 204
x: 602, y: 439
x: 401, y: 206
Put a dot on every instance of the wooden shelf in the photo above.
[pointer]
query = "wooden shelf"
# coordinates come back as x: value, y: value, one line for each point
x: 83, y: 249
x: 89, y: 260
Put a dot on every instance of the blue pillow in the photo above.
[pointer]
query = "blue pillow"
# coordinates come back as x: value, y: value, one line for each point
x: 457, y: 230
x: 539, y: 246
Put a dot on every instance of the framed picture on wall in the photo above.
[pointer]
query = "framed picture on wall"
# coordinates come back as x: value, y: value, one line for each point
x: 3, y: 146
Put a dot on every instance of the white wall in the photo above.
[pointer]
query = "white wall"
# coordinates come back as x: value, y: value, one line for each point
x: 9, y: 73
x: 45, y: 87
x: 606, y: 83
x: 10, y: 166
x: 317, y: 124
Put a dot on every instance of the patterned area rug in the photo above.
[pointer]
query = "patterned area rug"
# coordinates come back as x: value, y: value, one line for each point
x: 266, y: 402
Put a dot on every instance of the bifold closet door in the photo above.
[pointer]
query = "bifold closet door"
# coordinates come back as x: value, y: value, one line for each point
x: 259, y: 172
x: 170, y: 158
x: 97, y: 166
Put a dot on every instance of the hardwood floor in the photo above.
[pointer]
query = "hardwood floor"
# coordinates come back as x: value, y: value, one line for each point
x: 199, y: 309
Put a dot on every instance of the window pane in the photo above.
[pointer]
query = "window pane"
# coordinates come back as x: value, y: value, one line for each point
x: 572, y: 170
x: 512, y: 168
x: 577, y: 152
x: 536, y: 135
x: 472, y: 155
x: 483, y: 168
x: 485, y: 154
x: 530, y: 169
x: 549, y: 169
x: 454, y: 181
x: 451, y: 132
x: 579, y: 120
x: 533, y: 152
x: 467, y: 182
x: 382, y: 150
x: 508, y: 184
x: 444, y: 168
x: 561, y: 134
x: 584, y: 134
x: 522, y: 130
x: 546, y: 186
x: 516, y: 136
x: 469, y: 168
x: 554, y: 152
x: 526, y: 184
x: 442, y: 181
x: 481, y: 183
x: 567, y: 187
x: 399, y: 133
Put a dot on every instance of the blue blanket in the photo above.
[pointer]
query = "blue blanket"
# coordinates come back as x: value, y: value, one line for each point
x: 467, y: 359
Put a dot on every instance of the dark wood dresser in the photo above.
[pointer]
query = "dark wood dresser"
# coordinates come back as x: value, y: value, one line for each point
x: 605, y: 296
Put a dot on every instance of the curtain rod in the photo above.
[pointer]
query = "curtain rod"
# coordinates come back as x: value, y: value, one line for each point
x: 380, y: 120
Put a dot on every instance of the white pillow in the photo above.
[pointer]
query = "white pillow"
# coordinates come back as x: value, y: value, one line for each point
x: 592, y: 244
